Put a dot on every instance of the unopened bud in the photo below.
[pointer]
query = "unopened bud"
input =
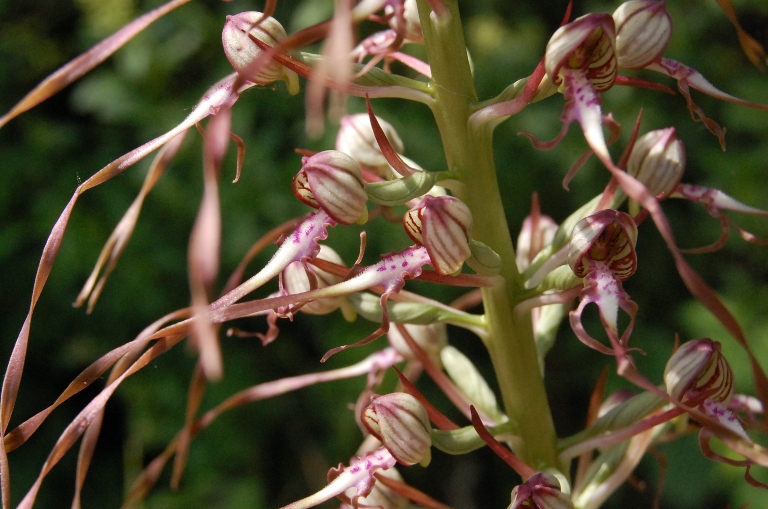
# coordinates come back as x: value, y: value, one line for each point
x: 698, y: 369
x: 331, y: 180
x: 608, y: 236
x: 443, y: 225
x: 537, y: 232
x: 643, y: 31
x: 401, y: 422
x: 615, y: 399
x: 242, y: 52
x: 588, y: 44
x: 540, y: 491
x: 356, y: 139
x: 658, y: 161
x: 411, y: 27
x: 296, y: 279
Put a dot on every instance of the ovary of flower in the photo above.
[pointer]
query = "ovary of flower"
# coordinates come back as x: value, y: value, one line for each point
x: 359, y: 475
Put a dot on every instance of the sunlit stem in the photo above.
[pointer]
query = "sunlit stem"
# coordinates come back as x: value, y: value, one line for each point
x: 470, y: 152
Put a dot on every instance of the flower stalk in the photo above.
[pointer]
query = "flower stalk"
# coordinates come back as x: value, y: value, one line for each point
x: 468, y: 151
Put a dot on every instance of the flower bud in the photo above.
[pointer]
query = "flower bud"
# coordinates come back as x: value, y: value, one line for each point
x: 242, y: 52
x: 538, y: 231
x: 615, y: 399
x: 698, y: 368
x: 356, y: 139
x: 540, y: 491
x: 411, y: 28
x: 401, y: 422
x: 332, y: 181
x: 608, y: 236
x: 443, y: 225
x: 643, y: 31
x: 431, y: 338
x: 297, y: 280
x: 658, y: 161
x: 587, y: 44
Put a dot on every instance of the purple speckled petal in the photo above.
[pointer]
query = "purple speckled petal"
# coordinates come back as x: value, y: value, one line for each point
x: 583, y: 106
x: 358, y: 475
x: 299, y: 245
x: 602, y: 287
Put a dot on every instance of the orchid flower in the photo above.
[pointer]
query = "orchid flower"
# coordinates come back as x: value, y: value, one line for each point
x: 583, y: 58
x: 401, y: 423
x: 699, y: 375
x: 359, y: 475
x: 602, y: 251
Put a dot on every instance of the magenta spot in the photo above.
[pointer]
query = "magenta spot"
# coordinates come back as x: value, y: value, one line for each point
x: 355, y: 470
x: 381, y: 269
x: 393, y: 267
x: 404, y: 264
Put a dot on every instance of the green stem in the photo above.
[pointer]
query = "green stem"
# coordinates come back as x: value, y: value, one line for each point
x: 468, y: 151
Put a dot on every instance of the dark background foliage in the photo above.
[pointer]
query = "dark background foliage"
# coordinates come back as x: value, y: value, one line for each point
x: 268, y: 454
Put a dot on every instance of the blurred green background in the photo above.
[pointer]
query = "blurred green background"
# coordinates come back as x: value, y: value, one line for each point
x: 270, y: 453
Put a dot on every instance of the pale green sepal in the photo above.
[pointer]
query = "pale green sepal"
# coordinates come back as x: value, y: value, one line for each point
x: 599, y: 471
x: 291, y: 81
x: 600, y: 475
x: 561, y: 278
x: 466, y: 439
x: 399, y: 191
x: 368, y: 306
x: 545, y: 331
x: 469, y: 381
x: 622, y: 416
x: 484, y: 260
x: 375, y: 77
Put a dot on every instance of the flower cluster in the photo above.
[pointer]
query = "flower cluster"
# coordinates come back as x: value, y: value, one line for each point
x: 452, y: 230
